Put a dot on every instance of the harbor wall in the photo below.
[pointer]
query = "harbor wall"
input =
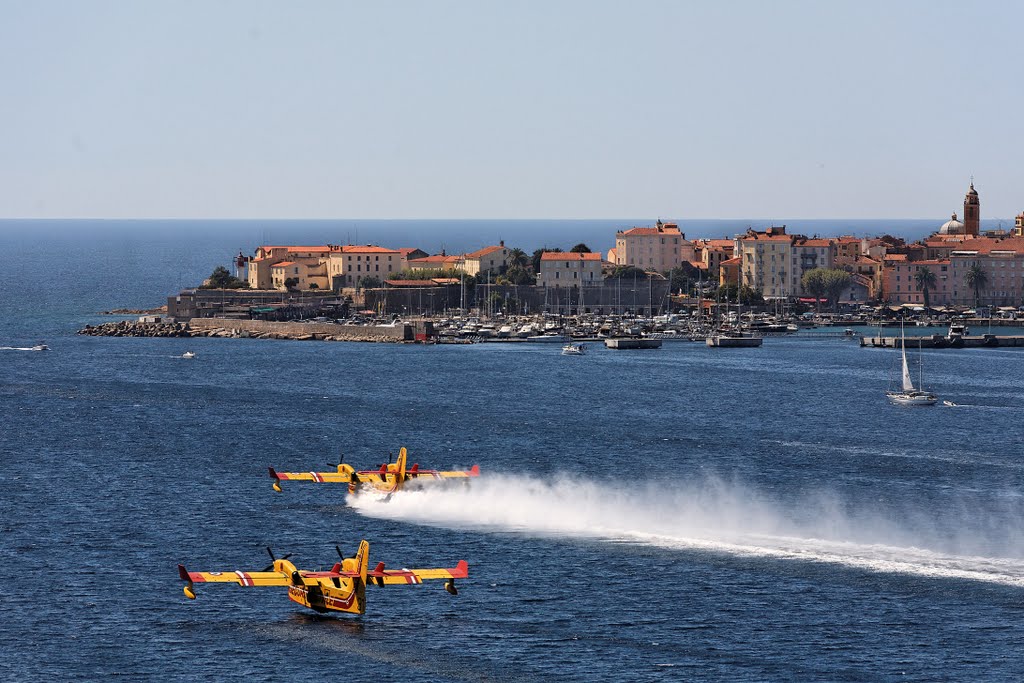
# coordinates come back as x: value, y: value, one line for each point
x: 295, y: 330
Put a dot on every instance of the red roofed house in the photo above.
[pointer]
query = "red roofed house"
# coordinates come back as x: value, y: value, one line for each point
x: 440, y: 261
x: 660, y: 248
x: 569, y: 269
x: 486, y: 260
x: 349, y: 265
x: 306, y: 259
x: 768, y: 263
x: 711, y: 253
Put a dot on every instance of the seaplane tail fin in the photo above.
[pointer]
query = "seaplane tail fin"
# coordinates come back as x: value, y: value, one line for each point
x: 400, y: 466
x: 363, y: 559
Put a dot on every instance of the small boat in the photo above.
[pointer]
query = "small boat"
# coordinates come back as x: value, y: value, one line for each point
x: 571, y: 349
x: 849, y: 332
x: 909, y: 395
x: 188, y: 355
x: 40, y: 347
x: 732, y: 339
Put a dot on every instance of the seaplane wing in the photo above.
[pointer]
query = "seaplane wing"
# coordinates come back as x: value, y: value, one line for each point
x: 248, y: 579
x: 415, y: 472
x: 383, y: 576
x: 315, y: 477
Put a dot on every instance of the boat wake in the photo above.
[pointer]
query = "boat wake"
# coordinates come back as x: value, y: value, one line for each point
x: 713, y: 517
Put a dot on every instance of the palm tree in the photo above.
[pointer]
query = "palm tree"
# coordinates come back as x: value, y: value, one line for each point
x: 976, y: 278
x: 517, y: 257
x: 925, y: 280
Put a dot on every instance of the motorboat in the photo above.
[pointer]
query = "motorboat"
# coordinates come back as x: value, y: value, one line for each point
x: 732, y: 339
x: 571, y: 349
x: 188, y: 355
x: 40, y: 347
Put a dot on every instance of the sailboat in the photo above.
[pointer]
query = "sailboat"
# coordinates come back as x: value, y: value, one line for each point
x: 910, y: 396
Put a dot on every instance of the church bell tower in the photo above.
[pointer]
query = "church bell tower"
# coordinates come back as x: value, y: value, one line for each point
x: 972, y: 212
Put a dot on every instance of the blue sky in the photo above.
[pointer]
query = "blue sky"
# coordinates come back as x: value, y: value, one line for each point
x: 323, y: 109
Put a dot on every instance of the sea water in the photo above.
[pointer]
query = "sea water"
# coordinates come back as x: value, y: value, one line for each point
x: 679, y: 514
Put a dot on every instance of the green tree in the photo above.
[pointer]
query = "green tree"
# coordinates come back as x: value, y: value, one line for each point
x: 836, y: 282
x: 516, y: 275
x: 291, y: 283
x: 976, y: 278
x: 222, y: 279
x: 748, y: 296
x: 517, y: 258
x: 580, y: 248
x: 925, y: 279
x: 683, y: 276
x: 629, y: 272
x: 368, y: 282
x: 814, y: 282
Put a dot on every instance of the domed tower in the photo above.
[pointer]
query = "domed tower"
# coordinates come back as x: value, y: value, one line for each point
x: 972, y: 212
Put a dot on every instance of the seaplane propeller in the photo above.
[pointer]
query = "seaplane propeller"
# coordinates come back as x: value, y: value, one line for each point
x: 273, y: 559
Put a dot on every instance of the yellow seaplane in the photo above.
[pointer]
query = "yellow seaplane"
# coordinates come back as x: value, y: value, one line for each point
x: 342, y: 589
x: 390, y: 478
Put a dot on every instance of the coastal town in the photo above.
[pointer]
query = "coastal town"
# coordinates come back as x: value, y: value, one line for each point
x: 642, y: 284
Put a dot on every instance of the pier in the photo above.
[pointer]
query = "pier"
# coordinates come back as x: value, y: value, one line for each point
x: 940, y: 341
x: 632, y: 343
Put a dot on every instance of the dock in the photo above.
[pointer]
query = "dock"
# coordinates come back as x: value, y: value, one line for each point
x: 632, y: 343
x: 941, y: 341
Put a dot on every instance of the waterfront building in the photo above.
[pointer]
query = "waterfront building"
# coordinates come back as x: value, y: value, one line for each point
x: 809, y: 254
x: 660, y: 248
x: 711, y: 253
x: 442, y: 261
x: 1002, y: 263
x: 350, y: 264
x: 729, y: 271
x: 569, y: 269
x: 305, y: 274
x: 305, y: 259
x: 493, y: 259
x: 901, y: 285
x: 1018, y: 226
x: 765, y: 259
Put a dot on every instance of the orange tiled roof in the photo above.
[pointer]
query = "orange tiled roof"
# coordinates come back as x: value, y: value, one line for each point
x: 436, y: 258
x: 311, y: 249
x: 282, y: 264
x: 483, y: 252
x: 409, y: 283
x: 640, y: 232
x: 569, y: 256
x: 813, y: 243
x: 367, y: 249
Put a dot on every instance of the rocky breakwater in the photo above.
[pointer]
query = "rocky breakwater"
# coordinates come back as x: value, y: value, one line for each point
x: 127, y: 328
x: 249, y: 329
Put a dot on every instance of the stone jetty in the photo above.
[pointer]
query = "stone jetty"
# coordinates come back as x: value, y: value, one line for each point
x: 252, y: 329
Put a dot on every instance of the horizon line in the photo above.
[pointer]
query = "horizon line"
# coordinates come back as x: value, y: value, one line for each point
x: 592, y: 218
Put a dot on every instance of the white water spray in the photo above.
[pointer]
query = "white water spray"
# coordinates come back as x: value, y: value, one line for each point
x: 713, y: 516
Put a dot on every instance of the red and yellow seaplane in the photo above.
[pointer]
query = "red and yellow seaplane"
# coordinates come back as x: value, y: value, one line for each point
x: 390, y: 478
x: 342, y: 589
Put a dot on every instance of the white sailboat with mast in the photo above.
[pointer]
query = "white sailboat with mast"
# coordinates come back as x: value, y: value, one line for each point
x: 909, y: 395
